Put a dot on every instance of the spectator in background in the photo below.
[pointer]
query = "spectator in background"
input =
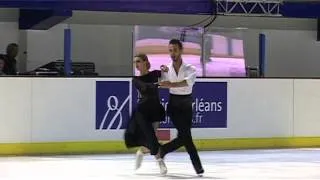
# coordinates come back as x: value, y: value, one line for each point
x: 2, y: 64
x: 10, y: 67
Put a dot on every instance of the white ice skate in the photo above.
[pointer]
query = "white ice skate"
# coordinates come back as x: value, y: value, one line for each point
x: 139, y: 158
x: 163, y: 167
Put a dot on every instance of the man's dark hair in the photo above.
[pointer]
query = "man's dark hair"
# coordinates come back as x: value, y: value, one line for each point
x: 176, y: 42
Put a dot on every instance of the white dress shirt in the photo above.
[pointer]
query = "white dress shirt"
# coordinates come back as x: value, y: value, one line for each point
x: 186, y: 72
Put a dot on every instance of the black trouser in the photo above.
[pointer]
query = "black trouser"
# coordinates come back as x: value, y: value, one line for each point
x: 180, y: 111
x: 151, y: 141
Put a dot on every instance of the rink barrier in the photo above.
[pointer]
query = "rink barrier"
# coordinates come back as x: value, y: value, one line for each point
x: 111, y: 147
x: 68, y: 115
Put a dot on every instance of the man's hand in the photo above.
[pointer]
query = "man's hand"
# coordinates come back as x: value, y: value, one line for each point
x: 164, y: 68
x: 165, y: 84
x: 168, y: 84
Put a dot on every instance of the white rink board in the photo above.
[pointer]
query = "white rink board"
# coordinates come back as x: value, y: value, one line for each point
x: 63, y: 109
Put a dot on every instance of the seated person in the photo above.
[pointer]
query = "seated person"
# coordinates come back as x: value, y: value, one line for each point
x: 2, y: 64
x: 10, y: 59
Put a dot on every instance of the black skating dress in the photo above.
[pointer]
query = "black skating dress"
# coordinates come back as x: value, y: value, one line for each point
x: 139, y: 131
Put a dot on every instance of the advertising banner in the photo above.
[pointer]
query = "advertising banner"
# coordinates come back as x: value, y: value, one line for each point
x: 115, y: 100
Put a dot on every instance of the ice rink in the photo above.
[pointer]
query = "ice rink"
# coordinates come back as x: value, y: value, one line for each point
x: 290, y: 164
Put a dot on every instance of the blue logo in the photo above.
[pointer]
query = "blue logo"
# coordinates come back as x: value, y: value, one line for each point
x: 112, y: 104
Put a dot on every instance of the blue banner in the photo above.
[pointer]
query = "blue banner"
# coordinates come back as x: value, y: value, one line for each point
x: 113, y: 106
x: 209, y: 105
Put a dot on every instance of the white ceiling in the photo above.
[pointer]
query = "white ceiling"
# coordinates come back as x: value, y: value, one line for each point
x: 86, y: 17
x: 82, y: 17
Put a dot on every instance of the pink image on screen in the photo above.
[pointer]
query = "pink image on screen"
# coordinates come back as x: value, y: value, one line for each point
x: 220, y: 44
x: 225, y: 59
x: 164, y: 59
x: 237, y: 47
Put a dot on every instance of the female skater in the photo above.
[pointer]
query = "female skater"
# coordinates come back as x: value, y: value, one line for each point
x: 141, y: 130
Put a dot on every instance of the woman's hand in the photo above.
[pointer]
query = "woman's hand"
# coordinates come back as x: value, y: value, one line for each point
x: 164, y: 68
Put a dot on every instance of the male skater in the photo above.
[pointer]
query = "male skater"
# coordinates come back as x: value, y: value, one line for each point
x: 180, y: 78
